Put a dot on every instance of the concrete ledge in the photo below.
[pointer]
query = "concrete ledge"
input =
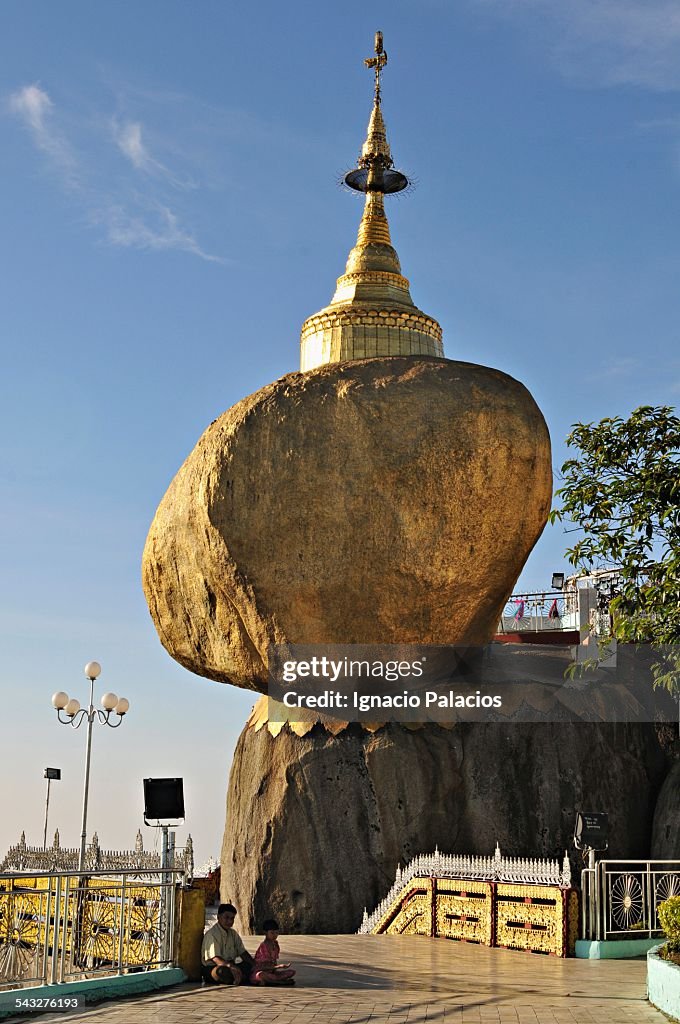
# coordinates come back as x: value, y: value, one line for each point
x: 613, y: 949
x: 93, y: 990
x: 663, y: 983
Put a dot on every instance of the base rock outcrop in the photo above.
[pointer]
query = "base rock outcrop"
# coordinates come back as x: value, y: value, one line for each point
x: 389, y: 500
x: 666, y: 829
x: 317, y: 824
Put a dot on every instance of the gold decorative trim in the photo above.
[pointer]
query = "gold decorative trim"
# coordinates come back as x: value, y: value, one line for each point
x: 373, y: 277
x: 412, y: 915
x: 463, y: 910
x: 371, y: 317
x: 531, y: 917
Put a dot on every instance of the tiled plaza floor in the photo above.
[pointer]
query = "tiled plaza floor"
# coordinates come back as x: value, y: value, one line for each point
x: 403, y: 980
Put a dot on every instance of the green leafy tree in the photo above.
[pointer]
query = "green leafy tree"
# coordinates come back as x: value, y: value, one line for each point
x: 623, y: 491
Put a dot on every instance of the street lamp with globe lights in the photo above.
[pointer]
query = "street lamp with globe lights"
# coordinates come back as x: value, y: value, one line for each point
x: 75, y: 716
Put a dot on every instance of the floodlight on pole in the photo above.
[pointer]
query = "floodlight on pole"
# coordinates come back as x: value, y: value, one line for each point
x: 49, y: 774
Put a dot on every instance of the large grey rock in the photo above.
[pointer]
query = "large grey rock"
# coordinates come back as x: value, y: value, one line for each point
x: 666, y: 830
x: 388, y: 500
x: 317, y: 824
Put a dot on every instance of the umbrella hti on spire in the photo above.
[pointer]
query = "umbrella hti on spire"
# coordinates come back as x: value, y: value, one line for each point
x: 372, y: 313
x: 375, y: 170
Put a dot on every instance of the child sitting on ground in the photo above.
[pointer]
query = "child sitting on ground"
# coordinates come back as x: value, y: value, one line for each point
x: 267, y: 970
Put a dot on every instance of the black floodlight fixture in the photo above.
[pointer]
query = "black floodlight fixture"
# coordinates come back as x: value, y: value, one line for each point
x: 557, y: 581
x: 591, y: 831
x: 163, y: 801
x: 52, y: 773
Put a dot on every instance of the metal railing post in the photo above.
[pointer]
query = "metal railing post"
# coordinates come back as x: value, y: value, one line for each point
x: 62, y: 969
x: 46, y: 932
x: 121, y: 928
x: 600, y: 896
x: 55, y: 930
x: 170, y: 899
x: 651, y: 902
x: 591, y: 893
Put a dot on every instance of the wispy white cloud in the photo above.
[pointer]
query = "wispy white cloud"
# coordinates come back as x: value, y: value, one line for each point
x: 605, y: 42
x: 130, y: 218
x: 128, y: 138
x: 623, y: 366
x: 156, y: 232
x: 33, y: 106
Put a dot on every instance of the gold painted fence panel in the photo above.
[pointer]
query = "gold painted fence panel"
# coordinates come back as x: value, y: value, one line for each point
x: 530, y: 917
x: 537, y: 918
x: 463, y: 910
x: 411, y: 914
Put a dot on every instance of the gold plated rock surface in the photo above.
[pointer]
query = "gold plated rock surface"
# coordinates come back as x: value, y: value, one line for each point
x: 390, y: 500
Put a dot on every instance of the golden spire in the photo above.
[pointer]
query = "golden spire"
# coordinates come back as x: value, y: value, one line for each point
x: 372, y: 312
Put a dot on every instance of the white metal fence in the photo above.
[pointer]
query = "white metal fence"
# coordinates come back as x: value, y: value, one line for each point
x: 66, y: 926
x: 536, y: 612
x: 620, y: 897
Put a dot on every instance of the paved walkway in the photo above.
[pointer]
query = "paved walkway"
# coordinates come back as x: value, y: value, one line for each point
x: 375, y: 979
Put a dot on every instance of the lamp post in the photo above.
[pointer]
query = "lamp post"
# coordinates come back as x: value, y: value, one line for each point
x: 75, y: 716
x: 49, y: 774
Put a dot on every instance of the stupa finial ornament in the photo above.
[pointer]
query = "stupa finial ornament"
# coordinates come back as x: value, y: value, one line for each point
x: 377, y: 63
x: 371, y: 313
x: 375, y: 168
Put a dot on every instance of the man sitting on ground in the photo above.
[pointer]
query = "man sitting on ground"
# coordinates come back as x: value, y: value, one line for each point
x: 224, y: 959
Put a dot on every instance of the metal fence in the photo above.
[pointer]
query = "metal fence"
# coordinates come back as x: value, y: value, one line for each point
x: 620, y: 897
x: 496, y: 901
x: 56, y: 857
x: 539, y: 611
x: 461, y: 866
x: 66, y: 926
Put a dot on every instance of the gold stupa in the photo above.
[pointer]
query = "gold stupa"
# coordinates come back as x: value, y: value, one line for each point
x: 372, y: 312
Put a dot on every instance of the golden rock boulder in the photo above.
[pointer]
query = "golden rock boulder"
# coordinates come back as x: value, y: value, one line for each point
x: 385, y: 500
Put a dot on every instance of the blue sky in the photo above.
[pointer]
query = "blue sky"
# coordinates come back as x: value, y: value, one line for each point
x: 171, y: 215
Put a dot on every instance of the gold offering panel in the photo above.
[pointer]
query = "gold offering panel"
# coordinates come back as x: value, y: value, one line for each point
x: 463, y: 911
x: 530, y: 917
x: 537, y: 918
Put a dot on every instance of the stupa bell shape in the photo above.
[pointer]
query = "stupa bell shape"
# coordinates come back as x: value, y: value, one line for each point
x: 372, y: 312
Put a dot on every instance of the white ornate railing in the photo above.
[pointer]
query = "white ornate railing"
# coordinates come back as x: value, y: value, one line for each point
x: 22, y: 858
x: 481, y: 869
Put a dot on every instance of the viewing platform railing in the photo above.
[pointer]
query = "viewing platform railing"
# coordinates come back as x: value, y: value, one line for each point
x: 66, y: 926
x: 620, y: 897
x: 540, y: 610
